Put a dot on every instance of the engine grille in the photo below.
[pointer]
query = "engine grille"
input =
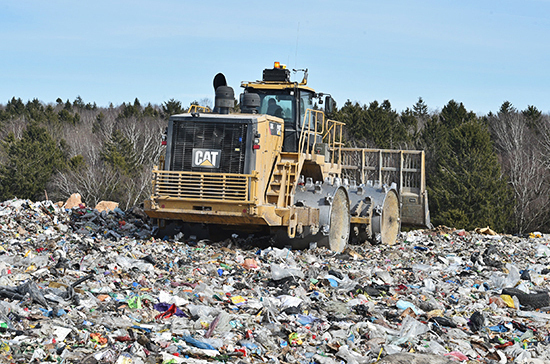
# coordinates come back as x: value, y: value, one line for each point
x: 230, y: 138
x: 202, y: 186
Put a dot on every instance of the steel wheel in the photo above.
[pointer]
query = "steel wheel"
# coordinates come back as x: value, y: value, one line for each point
x: 390, y: 222
x: 339, y: 222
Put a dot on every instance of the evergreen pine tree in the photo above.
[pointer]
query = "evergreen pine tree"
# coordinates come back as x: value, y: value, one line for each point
x: 15, y: 107
x: 171, y: 107
x: 465, y: 183
x: 377, y: 125
x: 31, y: 162
x: 533, y: 116
x: 119, y: 153
x: 420, y: 109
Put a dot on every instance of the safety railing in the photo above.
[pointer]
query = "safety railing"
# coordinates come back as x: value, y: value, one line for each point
x: 316, y: 128
x: 204, y: 186
x: 404, y: 167
x: 333, y: 136
x: 198, y: 108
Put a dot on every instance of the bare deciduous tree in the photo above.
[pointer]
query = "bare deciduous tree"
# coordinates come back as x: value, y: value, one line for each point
x: 15, y: 126
x: 522, y: 160
x: 97, y: 180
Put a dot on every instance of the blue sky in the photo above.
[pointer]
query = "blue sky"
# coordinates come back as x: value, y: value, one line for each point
x: 481, y: 53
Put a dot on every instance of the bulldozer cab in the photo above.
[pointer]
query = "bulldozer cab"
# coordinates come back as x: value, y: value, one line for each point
x: 283, y: 99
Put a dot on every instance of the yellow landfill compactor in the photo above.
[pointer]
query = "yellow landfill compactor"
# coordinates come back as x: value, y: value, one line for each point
x: 279, y: 167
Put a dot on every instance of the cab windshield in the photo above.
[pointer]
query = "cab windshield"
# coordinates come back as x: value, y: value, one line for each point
x: 284, y: 104
x: 289, y: 105
x: 279, y: 105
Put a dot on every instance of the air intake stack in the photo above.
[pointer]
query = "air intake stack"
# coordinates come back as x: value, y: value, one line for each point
x: 250, y: 103
x: 225, y: 96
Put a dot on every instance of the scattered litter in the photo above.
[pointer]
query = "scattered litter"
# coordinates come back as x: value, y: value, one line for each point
x: 79, y: 285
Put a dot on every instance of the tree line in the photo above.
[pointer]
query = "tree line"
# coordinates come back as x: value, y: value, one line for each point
x: 482, y: 170
x: 103, y: 153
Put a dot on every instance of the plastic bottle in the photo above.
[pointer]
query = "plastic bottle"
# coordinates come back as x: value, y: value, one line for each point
x: 526, y: 335
x: 201, y: 344
x: 516, y: 302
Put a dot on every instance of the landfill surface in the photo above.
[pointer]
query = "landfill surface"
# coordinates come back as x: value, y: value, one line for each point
x: 83, y: 286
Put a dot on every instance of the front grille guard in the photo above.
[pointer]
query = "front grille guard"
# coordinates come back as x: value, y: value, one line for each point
x: 205, y: 187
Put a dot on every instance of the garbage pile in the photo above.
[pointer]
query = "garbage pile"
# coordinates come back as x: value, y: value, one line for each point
x: 82, y: 286
x: 110, y: 224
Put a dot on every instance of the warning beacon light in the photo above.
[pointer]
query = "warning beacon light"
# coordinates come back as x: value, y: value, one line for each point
x: 278, y: 73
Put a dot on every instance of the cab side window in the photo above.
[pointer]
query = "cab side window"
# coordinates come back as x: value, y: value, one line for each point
x: 306, y: 102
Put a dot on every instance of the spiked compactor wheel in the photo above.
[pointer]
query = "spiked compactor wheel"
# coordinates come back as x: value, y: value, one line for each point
x: 389, y: 222
x: 339, y: 221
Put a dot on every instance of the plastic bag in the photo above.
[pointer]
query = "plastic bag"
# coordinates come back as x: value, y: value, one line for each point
x: 279, y: 272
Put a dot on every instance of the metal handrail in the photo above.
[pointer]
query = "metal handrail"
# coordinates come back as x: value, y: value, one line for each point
x: 198, y: 108
x: 334, y: 137
x: 307, y: 132
x: 331, y: 132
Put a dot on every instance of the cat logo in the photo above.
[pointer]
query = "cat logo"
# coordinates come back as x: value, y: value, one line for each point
x: 206, y: 158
